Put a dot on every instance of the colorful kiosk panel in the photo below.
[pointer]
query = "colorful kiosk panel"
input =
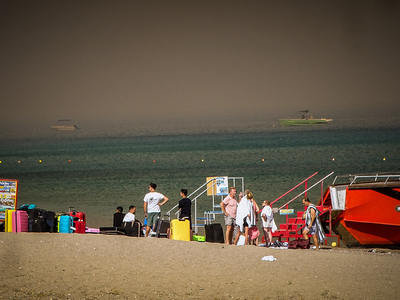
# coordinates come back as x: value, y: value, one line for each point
x: 8, y: 196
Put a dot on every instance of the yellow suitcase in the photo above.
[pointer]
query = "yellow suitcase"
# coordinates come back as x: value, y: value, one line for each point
x: 8, y: 220
x: 180, y: 230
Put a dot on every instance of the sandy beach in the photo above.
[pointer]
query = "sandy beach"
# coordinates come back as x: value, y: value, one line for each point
x: 93, y: 266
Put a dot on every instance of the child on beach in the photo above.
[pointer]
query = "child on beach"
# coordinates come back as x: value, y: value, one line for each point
x: 269, y: 225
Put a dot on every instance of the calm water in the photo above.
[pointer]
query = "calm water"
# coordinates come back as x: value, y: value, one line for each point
x: 95, y: 175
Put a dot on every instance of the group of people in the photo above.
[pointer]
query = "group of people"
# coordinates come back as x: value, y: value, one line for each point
x: 241, y: 216
x: 153, y: 201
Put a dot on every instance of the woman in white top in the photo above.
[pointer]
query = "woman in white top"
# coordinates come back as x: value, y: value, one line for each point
x: 269, y: 225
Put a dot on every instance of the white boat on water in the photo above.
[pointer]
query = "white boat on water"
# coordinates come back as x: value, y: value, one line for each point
x: 64, y: 125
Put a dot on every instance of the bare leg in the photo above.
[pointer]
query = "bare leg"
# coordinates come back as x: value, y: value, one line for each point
x: 269, y: 235
x: 228, y: 235
x: 265, y: 236
x: 315, y: 238
x: 237, y: 237
x: 305, y: 233
x: 147, y: 230
x: 246, y: 235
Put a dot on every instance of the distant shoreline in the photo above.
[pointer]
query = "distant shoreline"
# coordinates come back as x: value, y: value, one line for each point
x: 190, y: 128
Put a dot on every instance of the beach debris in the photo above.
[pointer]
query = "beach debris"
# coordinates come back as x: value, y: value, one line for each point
x: 268, y: 258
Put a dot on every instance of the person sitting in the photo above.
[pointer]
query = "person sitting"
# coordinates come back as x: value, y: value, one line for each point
x: 130, y: 216
x: 118, y: 217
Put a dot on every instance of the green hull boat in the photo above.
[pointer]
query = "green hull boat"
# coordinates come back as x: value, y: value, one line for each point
x: 306, y: 120
x: 303, y: 122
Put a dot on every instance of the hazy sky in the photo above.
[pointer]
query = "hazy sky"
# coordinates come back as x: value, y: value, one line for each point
x: 117, y: 61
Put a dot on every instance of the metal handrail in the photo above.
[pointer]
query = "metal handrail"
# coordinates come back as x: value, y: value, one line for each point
x: 294, y: 188
x: 353, y: 177
x: 330, y: 174
x: 375, y: 177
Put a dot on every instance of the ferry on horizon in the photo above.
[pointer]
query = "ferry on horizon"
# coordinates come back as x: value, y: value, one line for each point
x: 63, y: 125
x: 305, y: 120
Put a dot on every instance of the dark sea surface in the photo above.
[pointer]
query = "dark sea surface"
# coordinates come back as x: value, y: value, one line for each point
x: 97, y: 174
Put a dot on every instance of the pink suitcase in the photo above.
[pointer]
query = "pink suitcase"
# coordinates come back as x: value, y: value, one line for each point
x: 20, y: 221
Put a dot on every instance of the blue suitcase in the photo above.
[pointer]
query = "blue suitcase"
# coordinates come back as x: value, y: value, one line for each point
x: 65, y: 224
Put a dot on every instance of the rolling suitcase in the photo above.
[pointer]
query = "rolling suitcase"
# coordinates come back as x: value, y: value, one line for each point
x: 20, y: 221
x: 37, y: 223
x: 162, y: 227
x: 92, y: 230
x: 8, y: 220
x: 132, y: 228
x: 180, y: 230
x: 214, y: 233
x: 79, y: 219
x: 50, y: 221
x: 112, y: 230
x: 65, y: 224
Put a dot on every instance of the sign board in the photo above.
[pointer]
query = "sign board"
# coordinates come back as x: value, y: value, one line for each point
x: 286, y: 211
x: 8, y: 196
x: 218, y: 186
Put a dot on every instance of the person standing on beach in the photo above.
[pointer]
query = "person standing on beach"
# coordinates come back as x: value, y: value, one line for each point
x: 152, y: 206
x: 185, y: 207
x: 229, y: 206
x: 242, y: 217
x: 253, y: 229
x: 269, y: 225
x: 313, y: 224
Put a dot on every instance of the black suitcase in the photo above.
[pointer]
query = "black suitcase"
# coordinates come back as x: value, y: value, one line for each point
x: 214, y: 233
x: 162, y: 227
x: 36, y: 220
x: 132, y: 228
x: 112, y: 230
x: 51, y: 221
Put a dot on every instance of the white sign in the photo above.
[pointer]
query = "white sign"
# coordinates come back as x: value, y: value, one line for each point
x: 222, y: 185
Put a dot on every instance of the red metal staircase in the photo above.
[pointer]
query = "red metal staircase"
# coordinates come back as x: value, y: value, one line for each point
x: 293, y: 226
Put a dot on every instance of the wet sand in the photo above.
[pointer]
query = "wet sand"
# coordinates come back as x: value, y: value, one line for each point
x: 93, y: 266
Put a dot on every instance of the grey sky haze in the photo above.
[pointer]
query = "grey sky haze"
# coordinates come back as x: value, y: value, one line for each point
x: 120, y: 61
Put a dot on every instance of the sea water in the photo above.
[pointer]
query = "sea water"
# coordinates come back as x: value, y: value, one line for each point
x: 97, y: 174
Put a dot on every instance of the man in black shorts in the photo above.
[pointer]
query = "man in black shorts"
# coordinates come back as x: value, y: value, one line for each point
x: 185, y: 207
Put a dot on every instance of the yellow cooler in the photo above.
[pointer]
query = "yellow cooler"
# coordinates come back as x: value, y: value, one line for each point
x: 180, y: 230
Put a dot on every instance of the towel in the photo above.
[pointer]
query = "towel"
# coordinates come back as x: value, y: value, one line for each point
x: 242, y: 213
x: 321, y: 234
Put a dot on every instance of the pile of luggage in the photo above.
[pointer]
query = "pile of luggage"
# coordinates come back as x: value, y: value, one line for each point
x: 29, y: 218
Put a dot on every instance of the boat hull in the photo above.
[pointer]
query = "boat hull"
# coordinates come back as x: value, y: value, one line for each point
x: 370, y: 216
x: 303, y: 122
x: 63, y: 127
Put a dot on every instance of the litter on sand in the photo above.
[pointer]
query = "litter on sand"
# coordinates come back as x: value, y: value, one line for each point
x: 268, y: 258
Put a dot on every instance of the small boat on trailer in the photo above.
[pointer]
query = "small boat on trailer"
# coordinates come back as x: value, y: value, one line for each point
x: 365, y: 209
